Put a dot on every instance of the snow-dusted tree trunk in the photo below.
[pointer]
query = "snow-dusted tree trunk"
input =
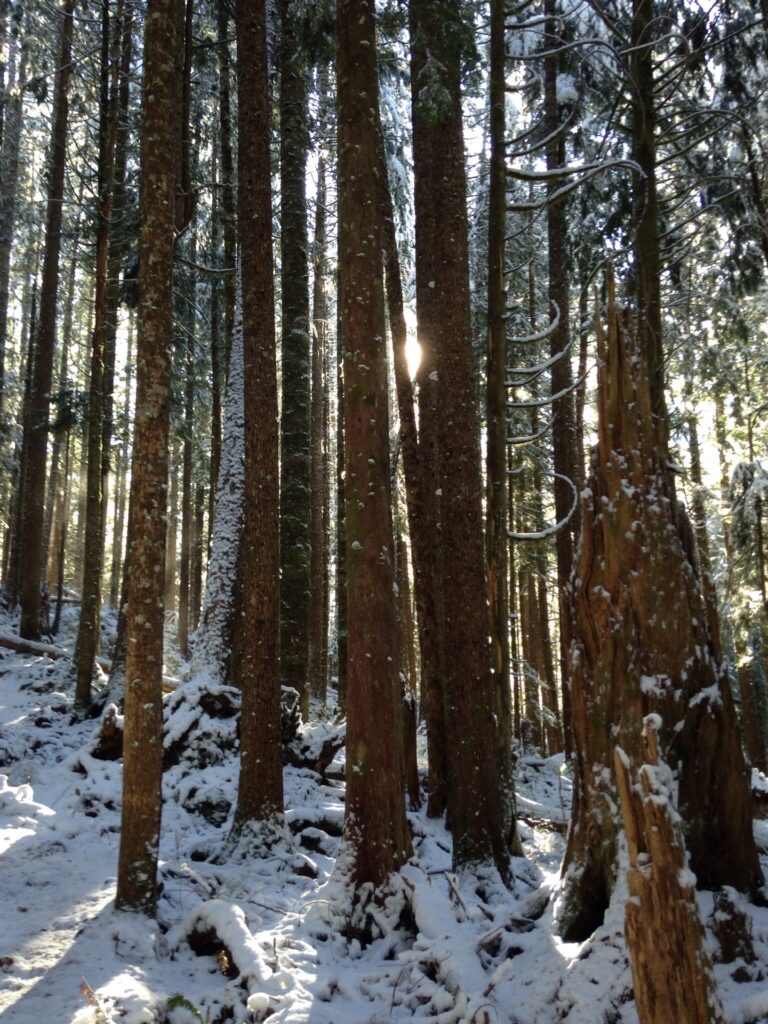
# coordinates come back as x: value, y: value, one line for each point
x: 9, y: 176
x: 643, y: 644
x: 671, y: 970
x: 213, y: 640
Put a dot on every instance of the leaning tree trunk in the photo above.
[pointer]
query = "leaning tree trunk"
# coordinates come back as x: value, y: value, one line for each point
x: 643, y: 644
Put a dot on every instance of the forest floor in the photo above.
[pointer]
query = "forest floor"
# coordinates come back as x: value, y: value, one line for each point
x: 465, y: 952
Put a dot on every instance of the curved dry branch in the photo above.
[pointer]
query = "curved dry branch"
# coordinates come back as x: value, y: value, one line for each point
x: 550, y: 531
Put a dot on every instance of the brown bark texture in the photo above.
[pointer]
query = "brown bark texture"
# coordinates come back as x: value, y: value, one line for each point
x: 295, y: 464
x: 375, y: 831
x: 143, y: 757
x: 34, y: 470
x: 475, y: 809
x: 260, y: 792
x: 671, y: 970
x: 420, y: 508
x: 643, y: 643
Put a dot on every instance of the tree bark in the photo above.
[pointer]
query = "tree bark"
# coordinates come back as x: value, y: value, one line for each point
x: 88, y: 635
x: 420, y: 509
x: 319, y: 554
x: 475, y: 808
x: 671, y: 970
x: 643, y: 644
x: 143, y: 740
x: 259, y: 809
x: 497, y: 486
x: 375, y: 831
x: 563, y: 430
x: 45, y: 340
x: 296, y: 360
x: 214, y: 640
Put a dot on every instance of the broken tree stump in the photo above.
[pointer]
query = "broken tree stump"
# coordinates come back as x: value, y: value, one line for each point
x: 671, y: 971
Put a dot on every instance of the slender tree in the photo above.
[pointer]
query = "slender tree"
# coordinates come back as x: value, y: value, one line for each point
x: 296, y: 359
x: 34, y: 455
x: 143, y: 745
x: 259, y: 808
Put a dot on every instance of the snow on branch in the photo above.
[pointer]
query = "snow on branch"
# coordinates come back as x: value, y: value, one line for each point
x: 540, y: 403
x: 523, y: 439
x: 549, y: 531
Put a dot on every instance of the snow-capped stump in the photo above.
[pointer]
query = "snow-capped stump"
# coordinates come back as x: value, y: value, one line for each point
x: 108, y: 739
x: 671, y: 970
x: 732, y: 928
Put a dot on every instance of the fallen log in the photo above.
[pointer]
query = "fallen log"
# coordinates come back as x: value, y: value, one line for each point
x: 52, y: 651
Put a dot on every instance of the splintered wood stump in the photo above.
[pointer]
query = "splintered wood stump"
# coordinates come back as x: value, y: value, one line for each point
x: 644, y: 641
x: 671, y: 971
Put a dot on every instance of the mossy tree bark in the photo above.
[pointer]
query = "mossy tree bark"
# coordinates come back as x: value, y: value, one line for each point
x: 375, y: 830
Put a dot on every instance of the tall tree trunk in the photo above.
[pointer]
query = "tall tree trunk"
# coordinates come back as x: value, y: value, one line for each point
x: 341, y: 532
x: 9, y: 177
x: 420, y: 508
x: 122, y: 468
x: 296, y: 362
x: 428, y: 152
x: 320, y: 311
x: 185, y: 559
x: 475, y: 807
x: 563, y: 430
x: 227, y: 181
x: 12, y: 582
x: 88, y: 635
x: 497, y: 500
x: 35, y: 457
x: 118, y: 248
x: 375, y: 832
x: 259, y: 807
x: 212, y: 650
x: 171, y: 549
x: 143, y: 747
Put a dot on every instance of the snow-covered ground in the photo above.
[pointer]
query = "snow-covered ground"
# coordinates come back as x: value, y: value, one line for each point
x: 461, y: 953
